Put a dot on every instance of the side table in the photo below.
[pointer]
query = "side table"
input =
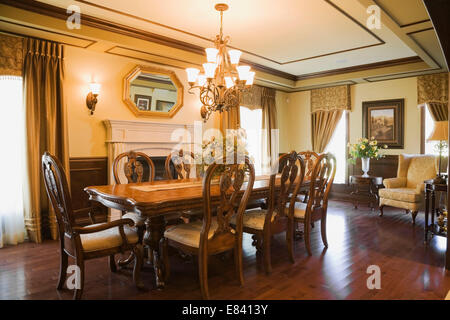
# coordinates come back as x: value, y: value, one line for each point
x: 366, y: 186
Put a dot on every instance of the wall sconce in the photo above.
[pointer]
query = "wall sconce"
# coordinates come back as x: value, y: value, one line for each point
x: 91, y: 99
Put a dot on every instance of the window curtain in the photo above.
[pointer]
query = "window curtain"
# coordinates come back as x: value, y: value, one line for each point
x: 12, y: 129
x: 327, y: 107
x: 46, y: 122
x: 432, y: 90
x: 269, y: 123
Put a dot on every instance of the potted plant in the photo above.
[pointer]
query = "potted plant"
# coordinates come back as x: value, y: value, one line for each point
x: 365, y: 149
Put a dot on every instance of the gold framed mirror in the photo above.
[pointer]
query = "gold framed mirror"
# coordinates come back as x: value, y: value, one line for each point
x: 150, y: 91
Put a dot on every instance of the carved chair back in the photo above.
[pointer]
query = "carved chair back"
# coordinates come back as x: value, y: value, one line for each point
x: 310, y: 158
x: 55, y: 182
x: 322, y: 178
x: 133, y: 168
x: 183, y: 162
x: 292, y: 173
x: 231, y: 179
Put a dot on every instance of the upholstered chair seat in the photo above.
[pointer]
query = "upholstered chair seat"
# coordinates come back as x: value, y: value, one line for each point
x: 107, y: 239
x: 300, y: 210
x: 189, y: 233
x: 253, y: 219
x: 406, y: 191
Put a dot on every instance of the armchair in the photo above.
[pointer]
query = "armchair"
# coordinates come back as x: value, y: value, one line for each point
x: 406, y: 190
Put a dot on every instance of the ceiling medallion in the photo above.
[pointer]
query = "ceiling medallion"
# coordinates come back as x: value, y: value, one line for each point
x: 223, y: 80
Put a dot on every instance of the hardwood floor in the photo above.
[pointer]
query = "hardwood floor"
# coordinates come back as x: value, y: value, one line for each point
x: 357, y: 239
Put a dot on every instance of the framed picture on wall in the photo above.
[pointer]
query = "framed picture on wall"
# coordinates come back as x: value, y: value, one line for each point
x: 143, y: 102
x: 384, y: 120
x: 164, y: 105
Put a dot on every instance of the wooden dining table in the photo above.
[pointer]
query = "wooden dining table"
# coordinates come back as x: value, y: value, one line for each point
x: 154, y: 200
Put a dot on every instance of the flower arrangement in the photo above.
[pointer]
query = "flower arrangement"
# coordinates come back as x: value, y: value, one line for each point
x: 216, y: 150
x: 365, y: 148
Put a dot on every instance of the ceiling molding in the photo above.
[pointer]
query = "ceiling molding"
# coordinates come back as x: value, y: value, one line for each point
x: 376, y: 65
x: 417, y: 31
x: 91, y: 42
x: 380, y: 41
x: 412, y: 23
x: 402, y: 75
x: 59, y: 13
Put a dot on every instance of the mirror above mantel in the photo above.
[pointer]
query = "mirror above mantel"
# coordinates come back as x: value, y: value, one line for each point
x: 153, y: 92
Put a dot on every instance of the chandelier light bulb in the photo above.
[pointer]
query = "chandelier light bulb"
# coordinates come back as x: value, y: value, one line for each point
x: 251, y: 77
x: 95, y: 87
x: 210, y: 69
x: 243, y: 72
x: 229, y: 82
x: 211, y: 54
x: 192, y: 74
x: 201, y: 80
x: 235, y: 55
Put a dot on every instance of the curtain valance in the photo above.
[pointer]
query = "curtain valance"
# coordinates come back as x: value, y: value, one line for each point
x: 432, y: 90
x: 333, y: 98
x: 252, y: 98
x: 11, y: 55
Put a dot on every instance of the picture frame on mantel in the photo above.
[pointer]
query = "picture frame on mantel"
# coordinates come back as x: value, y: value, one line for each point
x: 385, y: 121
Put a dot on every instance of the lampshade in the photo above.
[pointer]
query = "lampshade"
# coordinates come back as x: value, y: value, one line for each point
x: 243, y: 72
x: 440, y: 131
x: 235, y: 55
x: 210, y: 69
x: 211, y: 54
x: 95, y: 87
x: 192, y: 74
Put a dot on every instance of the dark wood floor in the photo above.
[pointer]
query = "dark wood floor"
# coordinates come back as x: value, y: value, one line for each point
x: 357, y: 238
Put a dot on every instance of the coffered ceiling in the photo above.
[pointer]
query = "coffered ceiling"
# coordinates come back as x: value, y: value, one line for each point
x: 300, y: 43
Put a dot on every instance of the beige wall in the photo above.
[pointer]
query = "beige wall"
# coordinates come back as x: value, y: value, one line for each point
x: 87, y: 133
x: 295, y: 116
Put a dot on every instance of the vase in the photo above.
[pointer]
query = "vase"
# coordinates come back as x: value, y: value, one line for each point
x: 365, y: 164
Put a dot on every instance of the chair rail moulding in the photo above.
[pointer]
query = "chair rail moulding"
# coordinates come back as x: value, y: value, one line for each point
x: 152, y: 138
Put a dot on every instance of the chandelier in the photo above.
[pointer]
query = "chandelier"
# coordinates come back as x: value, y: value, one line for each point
x: 223, y: 80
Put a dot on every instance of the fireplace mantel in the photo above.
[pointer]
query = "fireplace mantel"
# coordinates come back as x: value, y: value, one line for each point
x: 153, y: 138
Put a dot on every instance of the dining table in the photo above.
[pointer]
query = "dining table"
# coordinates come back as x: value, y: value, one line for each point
x: 154, y: 200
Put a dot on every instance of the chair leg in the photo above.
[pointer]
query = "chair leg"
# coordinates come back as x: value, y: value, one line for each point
x: 203, y: 274
x: 307, y: 232
x: 323, y: 231
x: 138, y: 259
x: 238, y: 262
x: 381, y: 211
x: 164, y: 248
x: 266, y: 253
x: 290, y: 240
x: 112, y: 263
x: 79, y: 291
x: 62, y: 269
x: 414, y: 215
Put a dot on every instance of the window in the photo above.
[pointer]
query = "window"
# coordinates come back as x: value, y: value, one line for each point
x: 12, y: 129
x: 338, y: 147
x: 430, y: 147
x: 251, y: 121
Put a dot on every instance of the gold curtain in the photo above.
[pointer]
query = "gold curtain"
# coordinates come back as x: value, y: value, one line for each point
x: 11, y: 55
x: 230, y: 120
x: 323, y: 124
x: 327, y: 107
x: 46, y: 122
x: 432, y: 90
x: 269, y: 120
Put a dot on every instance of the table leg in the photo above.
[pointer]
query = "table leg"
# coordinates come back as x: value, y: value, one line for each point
x: 372, y: 195
x: 154, y: 232
x: 427, y: 204
x: 354, y: 193
x: 433, y: 207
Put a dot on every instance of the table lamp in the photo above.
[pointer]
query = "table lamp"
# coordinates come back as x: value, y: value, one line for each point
x: 440, y: 133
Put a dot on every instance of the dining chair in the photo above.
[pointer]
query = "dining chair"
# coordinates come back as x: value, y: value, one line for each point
x: 279, y: 216
x: 321, y: 181
x: 89, y: 242
x: 134, y: 173
x: 214, y: 235
x: 310, y: 158
x: 183, y: 163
